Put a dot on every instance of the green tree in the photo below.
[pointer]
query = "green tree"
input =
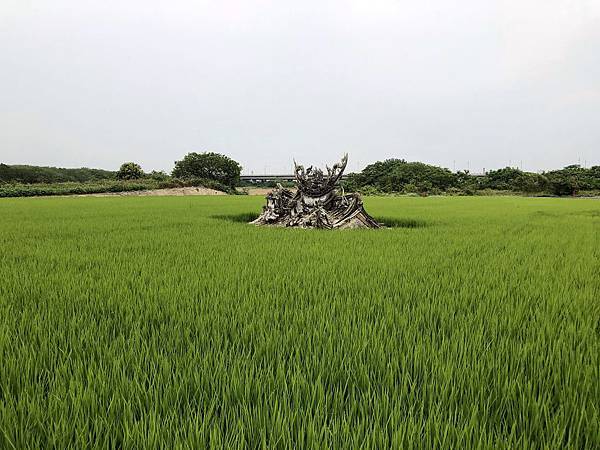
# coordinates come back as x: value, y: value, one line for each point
x: 393, y: 175
x: 563, y: 185
x: 580, y: 177
x: 530, y: 182
x: 130, y: 171
x: 158, y: 175
x: 208, y: 165
x: 503, y: 179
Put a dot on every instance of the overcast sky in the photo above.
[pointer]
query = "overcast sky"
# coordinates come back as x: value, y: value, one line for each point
x: 476, y: 84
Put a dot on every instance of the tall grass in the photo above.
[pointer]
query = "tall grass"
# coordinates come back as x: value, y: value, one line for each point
x: 161, y: 322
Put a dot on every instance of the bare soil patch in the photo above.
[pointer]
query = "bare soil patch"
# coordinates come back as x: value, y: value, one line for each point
x: 159, y: 192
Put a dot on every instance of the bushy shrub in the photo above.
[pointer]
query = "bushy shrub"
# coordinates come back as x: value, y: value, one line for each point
x: 571, y: 179
x: 410, y: 188
x: 158, y: 175
x: 453, y: 191
x: 563, y: 185
x: 34, y: 190
x: 503, y: 179
x: 369, y: 191
x: 530, y: 182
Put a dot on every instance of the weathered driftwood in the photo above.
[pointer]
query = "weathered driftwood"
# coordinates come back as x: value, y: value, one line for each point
x: 316, y: 203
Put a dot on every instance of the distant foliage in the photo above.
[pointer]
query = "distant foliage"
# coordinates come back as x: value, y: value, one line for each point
x: 30, y: 181
x: 502, y: 179
x: 212, y: 166
x: 130, y: 171
x: 399, y: 176
x: 35, y: 174
x: 220, y: 172
x: 574, y: 178
x: 158, y: 175
x: 511, y: 179
x: 563, y: 184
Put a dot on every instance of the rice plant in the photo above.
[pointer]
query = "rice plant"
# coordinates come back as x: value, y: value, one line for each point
x: 169, y: 322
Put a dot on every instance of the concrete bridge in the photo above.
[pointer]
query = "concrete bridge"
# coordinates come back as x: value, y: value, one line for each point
x: 264, y: 178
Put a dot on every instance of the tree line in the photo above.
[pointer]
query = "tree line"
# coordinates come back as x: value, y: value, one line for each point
x: 35, y: 174
x: 210, y: 170
x: 208, y: 165
x: 400, y: 176
x: 219, y: 171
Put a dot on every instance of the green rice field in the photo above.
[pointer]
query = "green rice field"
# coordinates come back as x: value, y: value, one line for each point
x: 168, y: 322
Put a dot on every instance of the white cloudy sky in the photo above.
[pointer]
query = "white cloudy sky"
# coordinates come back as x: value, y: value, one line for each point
x: 459, y: 84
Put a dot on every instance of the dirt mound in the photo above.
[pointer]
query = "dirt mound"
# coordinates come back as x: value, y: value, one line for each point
x: 160, y: 192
